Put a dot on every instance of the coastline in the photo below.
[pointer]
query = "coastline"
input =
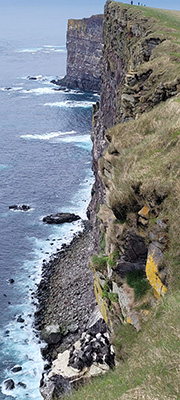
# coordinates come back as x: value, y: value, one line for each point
x: 66, y: 293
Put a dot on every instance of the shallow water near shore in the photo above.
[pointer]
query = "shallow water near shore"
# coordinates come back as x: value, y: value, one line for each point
x: 45, y: 162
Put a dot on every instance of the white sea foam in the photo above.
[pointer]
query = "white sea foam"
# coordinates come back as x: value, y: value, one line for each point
x: 40, y: 91
x: 71, y: 104
x: 11, y: 89
x: 29, y: 50
x: 75, y: 139
x: 47, y: 136
x: 44, y: 48
x: 55, y: 48
x: 82, y: 141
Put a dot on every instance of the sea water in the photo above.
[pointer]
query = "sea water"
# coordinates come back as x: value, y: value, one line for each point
x: 45, y: 162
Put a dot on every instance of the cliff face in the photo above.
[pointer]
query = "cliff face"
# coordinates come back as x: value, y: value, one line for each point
x: 84, y: 52
x: 135, y: 206
x: 140, y: 72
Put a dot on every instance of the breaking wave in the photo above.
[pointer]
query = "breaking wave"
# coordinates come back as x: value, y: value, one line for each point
x: 47, y: 136
x: 71, y: 104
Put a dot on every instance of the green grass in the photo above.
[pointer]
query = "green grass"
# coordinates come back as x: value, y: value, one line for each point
x: 113, y: 257
x: 99, y: 262
x: 138, y: 282
x: 102, y: 243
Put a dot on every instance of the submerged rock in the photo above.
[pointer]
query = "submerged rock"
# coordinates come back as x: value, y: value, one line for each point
x: 19, y: 207
x: 32, y: 78
x: 60, y: 218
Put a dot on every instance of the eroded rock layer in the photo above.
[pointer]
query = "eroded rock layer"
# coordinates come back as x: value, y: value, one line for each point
x: 84, y: 52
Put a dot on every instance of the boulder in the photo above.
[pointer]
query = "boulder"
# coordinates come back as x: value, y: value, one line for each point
x: 60, y: 218
x: 16, y: 368
x: 23, y: 385
x: 9, y: 384
x: 52, y: 334
x: 54, y: 387
x: 20, y: 319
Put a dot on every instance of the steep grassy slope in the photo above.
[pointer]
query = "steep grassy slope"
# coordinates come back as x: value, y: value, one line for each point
x: 140, y: 169
x: 144, y: 167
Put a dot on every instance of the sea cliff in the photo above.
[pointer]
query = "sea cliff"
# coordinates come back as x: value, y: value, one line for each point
x: 135, y: 207
x: 84, y: 52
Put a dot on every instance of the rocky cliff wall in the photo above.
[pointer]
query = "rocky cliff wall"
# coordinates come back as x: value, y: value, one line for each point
x: 131, y: 191
x: 84, y: 52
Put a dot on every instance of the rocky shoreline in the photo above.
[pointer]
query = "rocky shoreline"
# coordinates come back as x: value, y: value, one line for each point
x: 65, y: 295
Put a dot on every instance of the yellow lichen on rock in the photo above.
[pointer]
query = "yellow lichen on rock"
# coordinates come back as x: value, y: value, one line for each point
x: 153, y: 274
x: 144, y: 212
x: 129, y: 321
x: 101, y: 302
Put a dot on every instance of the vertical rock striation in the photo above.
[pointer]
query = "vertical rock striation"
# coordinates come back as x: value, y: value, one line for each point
x: 84, y: 52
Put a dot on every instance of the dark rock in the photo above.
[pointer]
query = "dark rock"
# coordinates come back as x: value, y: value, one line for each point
x: 54, y: 387
x: 99, y: 326
x: 20, y: 319
x: 32, y: 78
x: 16, y: 368
x: 19, y: 207
x: 60, y: 218
x: 52, y: 334
x: 47, y: 367
x: 123, y: 267
x: 9, y: 384
x: 11, y: 280
x: 21, y: 384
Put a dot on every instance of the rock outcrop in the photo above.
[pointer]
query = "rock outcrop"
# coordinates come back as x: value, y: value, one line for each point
x: 84, y: 52
x: 60, y: 218
x: 92, y: 355
x: 19, y: 207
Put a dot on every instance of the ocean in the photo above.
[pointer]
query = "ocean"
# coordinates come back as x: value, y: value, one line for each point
x: 45, y: 163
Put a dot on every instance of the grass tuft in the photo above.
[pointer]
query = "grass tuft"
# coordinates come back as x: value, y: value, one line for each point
x: 138, y: 282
